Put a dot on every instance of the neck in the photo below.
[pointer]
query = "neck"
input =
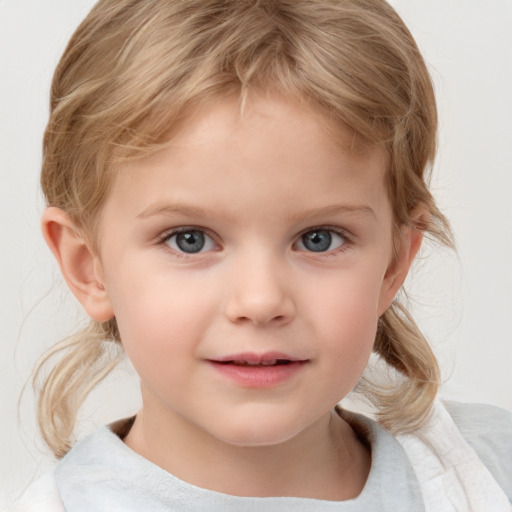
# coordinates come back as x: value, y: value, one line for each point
x: 325, y: 461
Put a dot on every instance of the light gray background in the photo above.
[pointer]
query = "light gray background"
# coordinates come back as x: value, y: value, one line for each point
x: 463, y: 302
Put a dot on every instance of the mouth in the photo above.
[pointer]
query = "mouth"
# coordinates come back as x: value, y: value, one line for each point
x: 258, y: 370
x: 266, y: 359
x: 271, y: 362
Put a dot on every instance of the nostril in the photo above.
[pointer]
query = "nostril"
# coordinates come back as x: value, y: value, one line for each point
x: 259, y: 309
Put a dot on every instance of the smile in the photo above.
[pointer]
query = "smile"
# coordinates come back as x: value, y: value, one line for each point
x: 258, y: 371
x: 271, y: 362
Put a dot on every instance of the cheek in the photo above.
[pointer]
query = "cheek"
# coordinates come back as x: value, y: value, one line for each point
x: 351, y: 331
x: 155, y: 335
x: 351, y: 299
x: 352, y: 338
x: 348, y: 317
x: 159, y: 316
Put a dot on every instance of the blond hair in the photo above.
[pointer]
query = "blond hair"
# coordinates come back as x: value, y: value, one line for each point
x: 133, y: 69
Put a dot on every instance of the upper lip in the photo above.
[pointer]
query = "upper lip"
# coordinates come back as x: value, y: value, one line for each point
x: 254, y: 358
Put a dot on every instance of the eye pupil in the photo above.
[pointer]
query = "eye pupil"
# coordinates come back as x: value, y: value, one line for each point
x: 317, y: 241
x: 190, y: 241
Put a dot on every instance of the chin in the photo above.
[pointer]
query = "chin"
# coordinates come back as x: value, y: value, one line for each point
x: 258, y: 433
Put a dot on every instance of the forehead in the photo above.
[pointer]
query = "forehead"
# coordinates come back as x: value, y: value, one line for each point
x: 266, y: 148
x: 269, y: 109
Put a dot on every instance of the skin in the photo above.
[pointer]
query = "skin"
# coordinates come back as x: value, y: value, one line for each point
x: 254, y: 184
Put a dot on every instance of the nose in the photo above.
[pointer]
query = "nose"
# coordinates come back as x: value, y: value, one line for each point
x: 260, y: 294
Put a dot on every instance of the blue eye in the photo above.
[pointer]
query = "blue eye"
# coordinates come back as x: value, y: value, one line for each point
x: 320, y: 240
x: 190, y: 241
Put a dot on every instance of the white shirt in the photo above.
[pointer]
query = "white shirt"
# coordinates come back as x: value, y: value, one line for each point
x: 436, y: 469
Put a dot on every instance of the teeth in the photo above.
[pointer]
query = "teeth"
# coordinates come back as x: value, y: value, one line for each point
x: 272, y: 362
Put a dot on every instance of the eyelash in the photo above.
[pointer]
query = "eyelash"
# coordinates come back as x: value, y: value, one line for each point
x: 166, y: 236
x: 347, y: 240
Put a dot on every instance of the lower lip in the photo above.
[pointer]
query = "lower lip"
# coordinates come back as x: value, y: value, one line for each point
x: 259, y: 376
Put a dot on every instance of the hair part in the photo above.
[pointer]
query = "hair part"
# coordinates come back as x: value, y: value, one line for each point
x: 134, y: 68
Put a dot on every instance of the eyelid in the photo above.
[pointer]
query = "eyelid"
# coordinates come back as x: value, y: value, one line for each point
x: 169, y: 233
x: 343, y: 233
x: 335, y: 229
x: 185, y: 229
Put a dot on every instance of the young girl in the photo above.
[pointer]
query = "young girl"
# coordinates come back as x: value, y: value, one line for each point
x: 236, y: 191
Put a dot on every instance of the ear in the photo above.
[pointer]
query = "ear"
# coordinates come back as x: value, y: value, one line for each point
x: 407, y: 246
x: 79, y: 265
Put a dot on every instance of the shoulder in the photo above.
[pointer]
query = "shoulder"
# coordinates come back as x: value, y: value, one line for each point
x: 482, y: 423
x: 488, y: 430
x: 42, y: 495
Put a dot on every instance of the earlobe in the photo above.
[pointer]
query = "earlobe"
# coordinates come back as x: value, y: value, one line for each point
x: 79, y: 265
x: 407, y: 247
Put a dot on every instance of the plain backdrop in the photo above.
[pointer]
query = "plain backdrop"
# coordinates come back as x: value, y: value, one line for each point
x: 462, y: 301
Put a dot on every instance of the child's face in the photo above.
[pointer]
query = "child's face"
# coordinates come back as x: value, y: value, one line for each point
x: 251, y: 239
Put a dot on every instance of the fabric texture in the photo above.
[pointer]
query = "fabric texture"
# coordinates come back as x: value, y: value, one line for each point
x: 451, y: 476
x: 102, y: 474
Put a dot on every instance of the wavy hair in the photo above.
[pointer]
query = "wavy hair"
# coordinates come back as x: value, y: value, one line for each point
x: 132, y: 71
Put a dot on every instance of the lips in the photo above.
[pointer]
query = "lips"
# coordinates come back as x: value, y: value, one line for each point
x: 252, y: 359
x: 271, y: 362
x: 258, y: 370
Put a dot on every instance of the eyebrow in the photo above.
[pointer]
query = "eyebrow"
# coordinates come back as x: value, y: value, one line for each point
x: 336, y: 209
x: 186, y: 210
